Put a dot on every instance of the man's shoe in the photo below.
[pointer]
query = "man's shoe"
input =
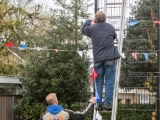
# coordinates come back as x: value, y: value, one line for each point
x: 98, y: 106
x: 106, y: 107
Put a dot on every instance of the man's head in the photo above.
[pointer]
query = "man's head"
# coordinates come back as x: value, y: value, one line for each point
x: 100, y: 17
x: 51, y: 99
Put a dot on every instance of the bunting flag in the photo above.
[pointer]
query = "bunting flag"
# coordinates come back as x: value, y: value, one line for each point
x: 38, y: 48
x: 9, y: 44
x: 55, y: 50
x: 22, y: 42
x: 134, y: 55
x: 24, y: 46
x: 146, y: 56
x: 123, y: 56
x: 80, y: 53
x: 98, y: 99
x: 94, y: 74
x: 133, y: 22
x: 157, y: 22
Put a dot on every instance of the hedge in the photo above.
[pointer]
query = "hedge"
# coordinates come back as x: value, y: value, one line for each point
x: 125, y: 112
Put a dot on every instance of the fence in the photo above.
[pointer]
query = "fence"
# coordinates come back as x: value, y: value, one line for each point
x: 6, y: 105
x: 139, y: 76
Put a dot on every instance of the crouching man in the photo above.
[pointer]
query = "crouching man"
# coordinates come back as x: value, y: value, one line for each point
x: 56, y: 112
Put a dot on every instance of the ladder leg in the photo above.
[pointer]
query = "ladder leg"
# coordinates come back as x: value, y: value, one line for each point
x: 94, y: 113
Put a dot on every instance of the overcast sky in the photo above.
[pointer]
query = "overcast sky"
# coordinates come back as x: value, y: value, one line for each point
x: 49, y: 3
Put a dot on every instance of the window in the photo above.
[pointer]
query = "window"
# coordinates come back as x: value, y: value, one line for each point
x: 144, y: 99
x: 127, y: 101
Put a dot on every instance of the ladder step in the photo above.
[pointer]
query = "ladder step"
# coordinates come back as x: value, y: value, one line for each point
x: 113, y: 3
x: 113, y: 17
x: 105, y: 111
x: 116, y: 29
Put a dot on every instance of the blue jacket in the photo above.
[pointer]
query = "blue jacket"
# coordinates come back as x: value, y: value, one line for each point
x: 102, y: 35
x: 54, y: 109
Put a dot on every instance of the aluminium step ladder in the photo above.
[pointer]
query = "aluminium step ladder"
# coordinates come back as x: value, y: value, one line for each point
x: 115, y: 13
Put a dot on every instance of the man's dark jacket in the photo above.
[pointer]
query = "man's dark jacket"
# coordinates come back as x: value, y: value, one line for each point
x: 102, y: 35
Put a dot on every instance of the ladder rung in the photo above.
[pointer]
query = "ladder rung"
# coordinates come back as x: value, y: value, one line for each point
x: 114, y: 17
x: 113, y: 3
x: 116, y: 29
x: 104, y: 111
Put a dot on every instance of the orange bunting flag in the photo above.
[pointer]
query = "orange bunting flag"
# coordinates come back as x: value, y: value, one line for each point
x: 54, y: 49
x: 94, y: 74
x: 9, y: 44
x: 134, y: 55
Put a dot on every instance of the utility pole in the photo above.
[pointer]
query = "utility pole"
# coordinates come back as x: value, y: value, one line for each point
x: 158, y: 53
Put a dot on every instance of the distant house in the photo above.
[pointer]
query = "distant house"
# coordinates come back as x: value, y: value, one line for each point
x: 133, y: 96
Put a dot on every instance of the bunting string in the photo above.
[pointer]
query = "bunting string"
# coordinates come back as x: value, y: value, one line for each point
x: 133, y: 54
x: 140, y: 62
x: 15, y: 55
x: 143, y: 72
x: 24, y: 47
x: 142, y: 76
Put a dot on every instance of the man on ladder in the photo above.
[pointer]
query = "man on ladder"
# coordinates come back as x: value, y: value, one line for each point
x: 105, y: 54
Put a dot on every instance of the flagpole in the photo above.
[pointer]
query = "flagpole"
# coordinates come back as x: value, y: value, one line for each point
x: 158, y: 53
x: 96, y: 9
x: 96, y: 6
x: 94, y: 76
x: 95, y: 111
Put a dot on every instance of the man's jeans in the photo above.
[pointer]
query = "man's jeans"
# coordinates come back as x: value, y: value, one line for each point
x: 106, y: 73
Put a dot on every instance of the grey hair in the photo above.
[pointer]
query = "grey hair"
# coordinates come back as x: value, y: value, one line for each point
x: 100, y: 17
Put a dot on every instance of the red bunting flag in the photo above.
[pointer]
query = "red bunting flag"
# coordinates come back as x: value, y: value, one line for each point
x: 94, y: 74
x: 9, y: 44
x: 157, y: 22
x: 94, y: 22
x: 134, y: 55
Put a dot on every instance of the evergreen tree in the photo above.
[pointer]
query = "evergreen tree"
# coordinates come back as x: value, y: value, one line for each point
x: 64, y: 72
x: 15, y: 25
x: 141, y: 38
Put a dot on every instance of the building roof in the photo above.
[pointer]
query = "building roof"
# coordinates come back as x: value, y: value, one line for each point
x: 9, y: 82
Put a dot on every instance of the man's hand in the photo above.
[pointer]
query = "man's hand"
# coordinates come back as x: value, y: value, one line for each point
x: 91, y: 18
x: 92, y: 100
